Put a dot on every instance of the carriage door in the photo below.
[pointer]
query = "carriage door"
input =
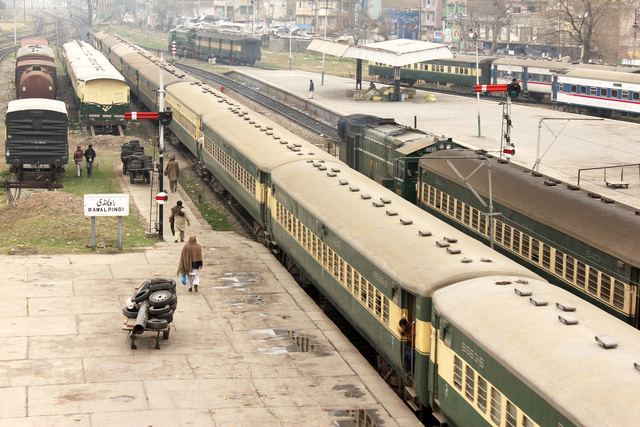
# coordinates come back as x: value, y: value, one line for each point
x: 441, y: 329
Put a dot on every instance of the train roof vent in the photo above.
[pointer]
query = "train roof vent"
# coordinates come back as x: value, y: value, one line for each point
x: 315, y: 164
x: 343, y: 182
x: 536, y: 174
x: 607, y: 200
x: 406, y: 221
x: 276, y: 137
x: 484, y: 259
x: 269, y: 132
x: 442, y: 243
x: 311, y: 153
x: 550, y: 183
x: 354, y: 188
x: 283, y: 141
x: 636, y: 365
x: 392, y: 213
x: 593, y: 195
x: 573, y: 187
x: 557, y: 181
x: 331, y: 174
x: 522, y: 281
x: 322, y: 168
x: 385, y: 200
x: 252, y: 122
x: 424, y: 233
x: 453, y: 251
x: 247, y: 118
x: 270, y: 127
x: 606, y: 341
x: 295, y: 144
x: 451, y: 239
x: 503, y: 282
x: 377, y: 204
x: 263, y: 128
x: 538, y: 302
x: 523, y: 292
x: 466, y: 260
x: 568, y: 320
x: 565, y: 307
x: 335, y: 169
x: 503, y: 161
x: 365, y: 196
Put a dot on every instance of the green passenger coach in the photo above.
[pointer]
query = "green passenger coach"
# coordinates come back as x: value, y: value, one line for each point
x: 101, y: 92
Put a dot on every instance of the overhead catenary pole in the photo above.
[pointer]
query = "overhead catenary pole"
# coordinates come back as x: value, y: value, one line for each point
x: 326, y: 12
x: 161, y: 142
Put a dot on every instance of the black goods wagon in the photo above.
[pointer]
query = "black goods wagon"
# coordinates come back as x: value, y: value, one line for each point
x: 37, y: 137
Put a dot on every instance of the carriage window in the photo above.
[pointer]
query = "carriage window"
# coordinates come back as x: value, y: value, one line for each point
x: 457, y: 372
x: 618, y: 294
x: 526, y: 422
x: 467, y: 214
x: 469, y: 383
x: 559, y: 264
x: 568, y: 274
x: 516, y: 241
x: 574, y: 88
x: 603, y: 92
x: 583, y: 89
x: 498, y: 232
x: 581, y: 275
x: 459, y: 210
x: 546, y: 256
x: 636, y: 96
x: 594, y: 91
x: 496, y: 399
x: 614, y: 93
x: 482, y: 395
x: 605, y: 287
x: 525, y: 245
x: 625, y: 94
x: 507, y: 236
x: 593, y: 281
x: 474, y: 219
x: 535, y: 250
x: 511, y: 414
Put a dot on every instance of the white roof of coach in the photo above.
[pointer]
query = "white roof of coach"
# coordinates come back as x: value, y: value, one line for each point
x: 36, y: 104
x: 89, y: 64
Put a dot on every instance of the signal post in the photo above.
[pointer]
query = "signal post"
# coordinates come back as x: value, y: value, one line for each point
x: 513, y: 90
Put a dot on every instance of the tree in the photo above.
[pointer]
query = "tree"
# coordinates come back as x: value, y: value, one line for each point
x: 354, y: 21
x: 494, y: 17
x: 582, y: 21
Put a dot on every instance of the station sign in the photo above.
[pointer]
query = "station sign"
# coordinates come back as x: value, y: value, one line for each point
x: 106, y: 205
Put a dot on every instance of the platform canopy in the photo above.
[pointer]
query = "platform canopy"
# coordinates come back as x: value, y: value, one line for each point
x: 395, y: 53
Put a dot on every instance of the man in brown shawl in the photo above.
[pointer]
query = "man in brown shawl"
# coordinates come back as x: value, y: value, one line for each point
x: 191, y: 263
x: 172, y: 171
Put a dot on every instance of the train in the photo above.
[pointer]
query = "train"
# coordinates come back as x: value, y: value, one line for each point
x: 227, y: 48
x: 493, y: 343
x: 100, y: 91
x: 582, y: 88
x: 37, y: 138
x: 574, y: 238
x: 35, y: 71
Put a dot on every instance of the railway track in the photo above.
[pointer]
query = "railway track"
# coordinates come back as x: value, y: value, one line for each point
x: 316, y: 126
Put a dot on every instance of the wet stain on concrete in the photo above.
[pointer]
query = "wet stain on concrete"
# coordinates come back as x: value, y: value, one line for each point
x: 289, y: 341
x: 123, y: 398
x: 356, y: 417
x: 349, y: 390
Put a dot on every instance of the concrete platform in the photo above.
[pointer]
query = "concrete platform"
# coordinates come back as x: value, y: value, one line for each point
x: 229, y: 360
x: 564, y: 146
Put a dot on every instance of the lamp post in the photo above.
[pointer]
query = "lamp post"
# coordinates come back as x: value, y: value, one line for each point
x: 326, y: 12
x: 635, y: 32
x: 474, y: 36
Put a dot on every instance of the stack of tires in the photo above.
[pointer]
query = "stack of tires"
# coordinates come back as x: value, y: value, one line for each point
x: 162, y: 299
x: 133, y: 150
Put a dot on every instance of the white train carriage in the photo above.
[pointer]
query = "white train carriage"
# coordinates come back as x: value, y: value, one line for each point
x: 605, y: 91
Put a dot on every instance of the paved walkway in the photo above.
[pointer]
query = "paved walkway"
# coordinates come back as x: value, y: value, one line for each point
x: 231, y: 358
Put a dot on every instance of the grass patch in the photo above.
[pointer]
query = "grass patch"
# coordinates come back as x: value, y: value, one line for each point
x: 52, y: 222
x: 217, y: 220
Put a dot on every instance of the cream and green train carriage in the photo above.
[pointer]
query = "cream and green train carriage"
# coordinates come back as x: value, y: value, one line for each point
x: 508, y: 353
x: 375, y: 256
x: 149, y: 82
x: 101, y: 93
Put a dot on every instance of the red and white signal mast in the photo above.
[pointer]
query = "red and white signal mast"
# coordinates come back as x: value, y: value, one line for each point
x: 513, y: 90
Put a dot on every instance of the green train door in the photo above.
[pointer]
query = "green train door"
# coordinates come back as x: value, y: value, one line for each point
x: 405, y: 176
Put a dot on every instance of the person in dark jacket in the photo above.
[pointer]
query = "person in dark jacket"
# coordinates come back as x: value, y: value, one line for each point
x: 191, y: 263
x: 90, y: 155
x: 311, y: 89
x: 77, y: 157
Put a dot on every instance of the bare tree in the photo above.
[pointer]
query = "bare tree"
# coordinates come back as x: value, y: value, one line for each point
x: 582, y: 21
x: 494, y: 16
x: 354, y: 21
x: 165, y: 11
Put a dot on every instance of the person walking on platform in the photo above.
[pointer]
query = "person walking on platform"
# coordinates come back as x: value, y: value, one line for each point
x: 172, y: 171
x: 191, y: 263
x: 311, y: 89
x: 77, y: 157
x: 179, y: 218
x: 90, y: 155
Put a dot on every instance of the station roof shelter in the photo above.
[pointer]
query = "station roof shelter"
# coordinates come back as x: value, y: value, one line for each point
x: 395, y: 53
